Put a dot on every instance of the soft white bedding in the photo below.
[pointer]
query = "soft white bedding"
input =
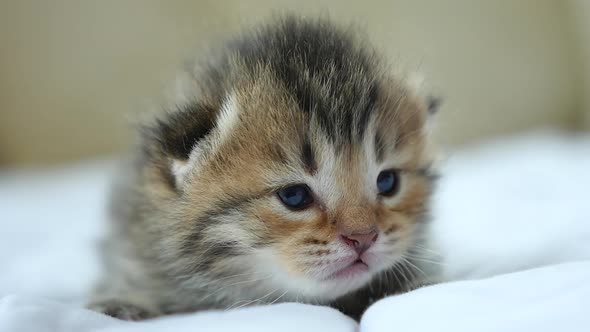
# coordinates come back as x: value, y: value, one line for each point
x: 34, y: 314
x: 552, y: 298
x: 507, y: 206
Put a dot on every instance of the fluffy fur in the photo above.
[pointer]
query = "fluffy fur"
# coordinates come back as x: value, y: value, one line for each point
x: 197, y: 223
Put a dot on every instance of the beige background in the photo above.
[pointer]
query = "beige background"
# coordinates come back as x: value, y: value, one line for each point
x: 73, y: 72
x: 581, y: 18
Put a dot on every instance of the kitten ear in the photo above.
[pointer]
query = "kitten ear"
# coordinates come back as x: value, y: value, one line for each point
x: 433, y: 104
x: 179, y: 139
x: 171, y: 139
x: 183, y: 128
x: 416, y: 82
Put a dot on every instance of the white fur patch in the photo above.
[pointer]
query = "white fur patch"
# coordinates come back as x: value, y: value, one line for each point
x: 228, y: 117
x: 303, y: 287
x: 180, y: 170
x: 324, y: 181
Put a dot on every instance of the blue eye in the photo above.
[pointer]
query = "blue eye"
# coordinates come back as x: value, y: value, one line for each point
x: 387, y: 182
x: 296, y: 197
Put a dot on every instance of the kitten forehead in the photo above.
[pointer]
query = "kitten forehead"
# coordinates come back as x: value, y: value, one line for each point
x: 277, y: 88
x: 336, y: 83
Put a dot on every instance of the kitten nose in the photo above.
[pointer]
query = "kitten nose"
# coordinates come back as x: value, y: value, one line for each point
x: 360, y: 242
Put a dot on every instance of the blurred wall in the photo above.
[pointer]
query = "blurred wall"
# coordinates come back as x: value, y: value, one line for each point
x: 580, y: 11
x: 73, y: 72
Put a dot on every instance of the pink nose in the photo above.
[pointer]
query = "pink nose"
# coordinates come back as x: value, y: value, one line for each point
x: 360, y: 242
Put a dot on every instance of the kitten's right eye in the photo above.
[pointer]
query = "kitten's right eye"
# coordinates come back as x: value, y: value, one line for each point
x: 296, y: 197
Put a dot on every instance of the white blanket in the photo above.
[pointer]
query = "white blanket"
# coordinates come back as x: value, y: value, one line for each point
x: 34, y: 314
x: 553, y: 298
x: 508, y: 206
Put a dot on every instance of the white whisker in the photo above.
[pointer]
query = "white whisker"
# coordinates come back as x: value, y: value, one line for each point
x: 249, y: 302
x: 233, y: 284
x: 275, y: 300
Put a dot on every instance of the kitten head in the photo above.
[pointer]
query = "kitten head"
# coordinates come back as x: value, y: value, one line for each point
x: 299, y: 168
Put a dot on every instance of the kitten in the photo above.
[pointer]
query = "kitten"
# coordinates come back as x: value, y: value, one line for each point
x: 296, y: 168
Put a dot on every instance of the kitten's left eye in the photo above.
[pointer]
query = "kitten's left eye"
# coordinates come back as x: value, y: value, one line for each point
x: 296, y: 197
x: 387, y: 182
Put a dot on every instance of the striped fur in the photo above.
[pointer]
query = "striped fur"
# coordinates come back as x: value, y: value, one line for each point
x: 197, y: 223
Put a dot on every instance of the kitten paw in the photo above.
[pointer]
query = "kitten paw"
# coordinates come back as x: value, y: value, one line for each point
x: 121, y: 310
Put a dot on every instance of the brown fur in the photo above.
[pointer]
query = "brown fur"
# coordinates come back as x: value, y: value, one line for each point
x: 197, y: 222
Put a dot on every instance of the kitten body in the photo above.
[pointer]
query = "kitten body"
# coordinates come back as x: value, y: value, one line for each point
x: 197, y: 221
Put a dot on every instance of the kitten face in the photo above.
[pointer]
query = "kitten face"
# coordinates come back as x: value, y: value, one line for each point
x: 322, y: 118
x: 263, y: 143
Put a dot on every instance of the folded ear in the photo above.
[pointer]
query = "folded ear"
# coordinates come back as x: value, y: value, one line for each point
x: 433, y: 104
x: 417, y: 84
x: 182, y: 130
x: 170, y: 140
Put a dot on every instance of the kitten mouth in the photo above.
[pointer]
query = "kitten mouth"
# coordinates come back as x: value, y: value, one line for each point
x: 354, y: 269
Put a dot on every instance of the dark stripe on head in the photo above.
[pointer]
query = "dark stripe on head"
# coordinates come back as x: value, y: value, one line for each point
x: 369, y: 108
x: 308, y: 158
x: 327, y: 70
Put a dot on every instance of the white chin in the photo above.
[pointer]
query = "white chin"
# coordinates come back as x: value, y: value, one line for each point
x: 313, y: 289
x: 338, y: 285
x: 326, y: 290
